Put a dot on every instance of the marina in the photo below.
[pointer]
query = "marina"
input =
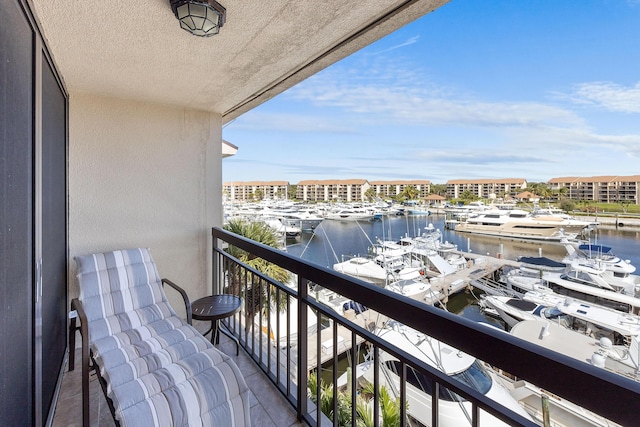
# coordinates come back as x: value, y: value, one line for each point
x: 337, y: 241
x: 458, y: 271
x: 346, y: 246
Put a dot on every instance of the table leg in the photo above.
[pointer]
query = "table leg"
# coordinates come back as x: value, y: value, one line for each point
x: 215, y: 334
x: 225, y: 331
x: 215, y: 337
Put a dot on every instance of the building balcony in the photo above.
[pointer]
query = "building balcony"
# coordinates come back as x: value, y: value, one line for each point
x: 288, y: 332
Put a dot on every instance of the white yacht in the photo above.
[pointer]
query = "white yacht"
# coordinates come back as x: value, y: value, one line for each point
x: 621, y: 359
x: 583, y: 282
x: 588, y: 318
x: 381, y: 269
x: 602, y: 258
x: 350, y: 214
x: 564, y: 413
x: 441, y: 258
x: 581, y: 316
x: 454, y: 410
x: 278, y: 226
x: 521, y: 225
x: 417, y: 289
x: 513, y: 309
x: 306, y: 219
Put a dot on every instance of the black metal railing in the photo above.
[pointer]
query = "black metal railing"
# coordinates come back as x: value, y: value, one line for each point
x: 294, y: 338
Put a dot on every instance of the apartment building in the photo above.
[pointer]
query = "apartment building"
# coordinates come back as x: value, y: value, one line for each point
x: 603, y: 189
x: 485, y: 188
x: 254, y: 190
x: 346, y: 190
x: 390, y: 189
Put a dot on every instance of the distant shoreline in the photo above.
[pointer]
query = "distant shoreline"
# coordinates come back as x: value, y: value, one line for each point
x: 612, y: 221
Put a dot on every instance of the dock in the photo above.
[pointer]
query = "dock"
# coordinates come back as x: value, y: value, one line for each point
x: 479, y: 273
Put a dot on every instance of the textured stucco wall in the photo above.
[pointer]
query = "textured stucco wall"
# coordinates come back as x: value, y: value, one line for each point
x: 145, y: 175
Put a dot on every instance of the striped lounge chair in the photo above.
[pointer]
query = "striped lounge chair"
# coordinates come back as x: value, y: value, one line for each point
x: 155, y: 368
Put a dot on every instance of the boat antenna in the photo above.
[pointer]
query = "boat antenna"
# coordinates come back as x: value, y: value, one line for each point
x: 329, y: 241
x: 307, y: 245
x: 363, y: 232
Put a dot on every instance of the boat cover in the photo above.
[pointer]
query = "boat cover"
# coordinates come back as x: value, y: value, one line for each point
x: 595, y: 248
x: 521, y: 304
x: 547, y: 262
x: 355, y: 306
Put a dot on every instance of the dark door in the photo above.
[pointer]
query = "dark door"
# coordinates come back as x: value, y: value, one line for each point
x: 16, y: 216
x: 54, y: 233
x: 33, y: 221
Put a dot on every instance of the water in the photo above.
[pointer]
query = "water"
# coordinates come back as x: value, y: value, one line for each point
x: 334, y: 241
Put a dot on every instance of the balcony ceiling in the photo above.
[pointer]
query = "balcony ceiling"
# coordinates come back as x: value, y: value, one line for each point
x: 136, y: 48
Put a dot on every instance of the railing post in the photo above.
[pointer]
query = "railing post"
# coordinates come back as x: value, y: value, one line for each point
x: 216, y: 270
x: 302, y: 349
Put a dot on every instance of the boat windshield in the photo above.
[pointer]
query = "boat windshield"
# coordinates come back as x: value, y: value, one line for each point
x: 475, y: 377
x: 548, y: 312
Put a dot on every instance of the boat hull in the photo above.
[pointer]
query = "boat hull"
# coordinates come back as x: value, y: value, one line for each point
x: 516, y: 231
x: 522, y: 225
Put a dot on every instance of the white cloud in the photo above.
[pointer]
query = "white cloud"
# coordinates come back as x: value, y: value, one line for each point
x: 396, y: 95
x: 402, y: 97
x: 608, y: 95
x: 409, y: 42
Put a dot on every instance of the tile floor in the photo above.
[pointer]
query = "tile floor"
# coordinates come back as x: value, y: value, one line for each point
x: 268, y: 407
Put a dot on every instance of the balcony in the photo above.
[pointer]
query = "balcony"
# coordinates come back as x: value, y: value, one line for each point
x: 278, y: 362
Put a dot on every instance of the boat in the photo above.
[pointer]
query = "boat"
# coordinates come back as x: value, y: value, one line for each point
x: 417, y: 289
x: 580, y: 316
x: 534, y: 265
x: 588, y: 318
x: 453, y: 409
x: 562, y: 413
x: 380, y: 269
x: 462, y: 211
x: 418, y: 211
x: 306, y: 219
x: 278, y: 226
x: 602, y: 353
x: 350, y: 214
x: 514, y: 310
x: 536, y: 400
x: 601, y: 257
x: 280, y: 327
x: 440, y: 258
x: 522, y: 225
x: 580, y: 281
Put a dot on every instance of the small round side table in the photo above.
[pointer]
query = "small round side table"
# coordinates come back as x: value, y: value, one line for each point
x: 214, y: 308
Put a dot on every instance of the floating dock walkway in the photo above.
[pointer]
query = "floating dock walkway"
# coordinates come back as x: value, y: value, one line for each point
x: 479, y: 273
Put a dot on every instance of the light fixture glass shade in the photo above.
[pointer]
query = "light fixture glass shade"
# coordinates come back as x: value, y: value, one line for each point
x: 200, y: 17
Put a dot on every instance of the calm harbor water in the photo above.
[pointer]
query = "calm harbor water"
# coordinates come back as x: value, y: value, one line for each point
x: 334, y: 240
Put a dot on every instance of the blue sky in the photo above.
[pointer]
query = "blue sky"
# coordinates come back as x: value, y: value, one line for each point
x: 477, y: 89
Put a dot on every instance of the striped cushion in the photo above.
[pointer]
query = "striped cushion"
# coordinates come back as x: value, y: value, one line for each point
x: 159, y: 370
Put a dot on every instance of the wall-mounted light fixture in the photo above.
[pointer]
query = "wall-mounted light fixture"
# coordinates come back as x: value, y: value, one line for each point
x: 200, y: 17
